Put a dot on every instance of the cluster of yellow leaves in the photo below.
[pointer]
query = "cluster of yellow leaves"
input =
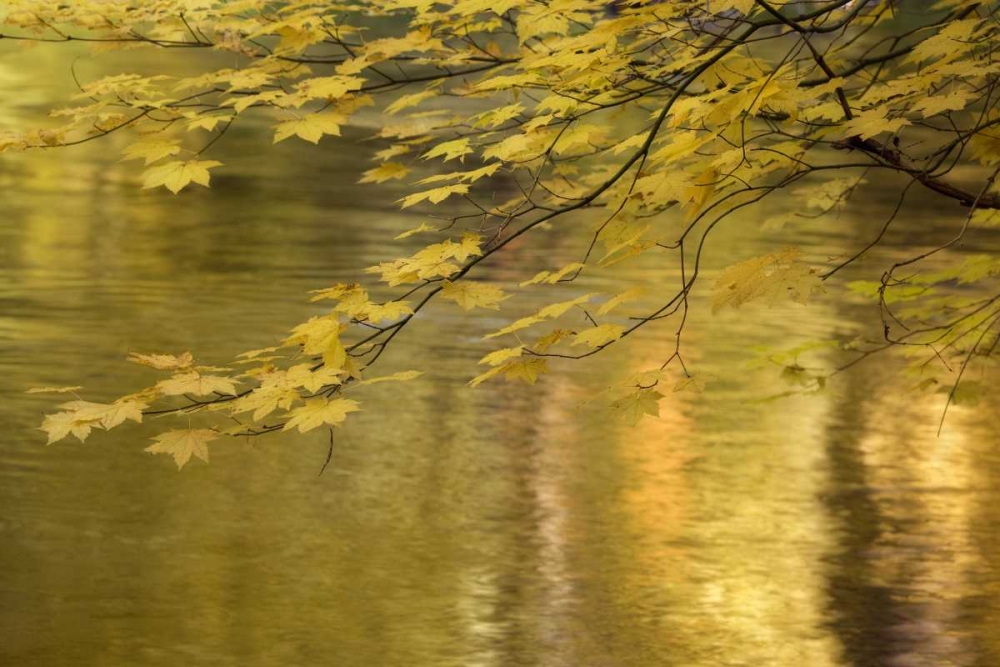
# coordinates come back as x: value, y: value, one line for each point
x: 439, y: 260
x: 770, y: 277
x: 79, y: 417
x: 639, y: 112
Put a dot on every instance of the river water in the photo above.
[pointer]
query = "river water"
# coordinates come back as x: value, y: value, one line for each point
x: 497, y: 526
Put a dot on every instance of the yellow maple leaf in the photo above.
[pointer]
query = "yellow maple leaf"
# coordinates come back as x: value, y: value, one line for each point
x: 376, y: 313
x: 424, y: 227
x: 553, y: 277
x: 151, y: 150
x: 162, y: 362
x: 498, y: 357
x: 769, y: 276
x: 558, y: 309
x: 264, y: 400
x: 311, y: 127
x: 196, y: 384
x: 522, y: 323
x: 637, y: 404
x: 108, y: 415
x: 619, y: 299
x: 471, y: 295
x: 872, y: 122
x: 552, y: 338
x: 598, y: 336
x: 330, y: 87
x: 385, y: 172
x: 402, y: 376
x: 435, y: 196
x: 319, y: 411
x: 61, y: 424
x: 527, y: 370
x: 182, y: 444
x: 450, y: 150
x: 52, y: 390
x: 412, y: 100
x: 176, y: 174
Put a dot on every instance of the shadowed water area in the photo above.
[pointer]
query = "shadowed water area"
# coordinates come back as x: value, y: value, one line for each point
x: 498, y: 526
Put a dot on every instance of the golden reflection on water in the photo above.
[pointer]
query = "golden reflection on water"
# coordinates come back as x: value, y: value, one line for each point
x: 499, y: 526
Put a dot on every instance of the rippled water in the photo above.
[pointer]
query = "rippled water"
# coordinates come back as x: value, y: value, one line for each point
x: 501, y: 526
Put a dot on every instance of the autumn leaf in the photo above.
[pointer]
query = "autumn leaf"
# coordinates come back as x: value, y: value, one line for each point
x: 619, y: 299
x: 162, y: 362
x: 310, y: 128
x: 500, y: 356
x: 176, y: 175
x: 151, y: 149
x: 469, y: 295
x: 636, y: 405
x: 197, y: 384
x: 598, y: 336
x: 435, y: 196
x: 450, y: 150
x: 330, y: 87
x: 873, y: 122
x: 61, y: 424
x: 526, y: 370
x: 424, y: 227
x: 182, y: 444
x: 319, y: 411
x: 780, y: 274
x: 108, y: 415
x: 52, y: 390
x: 402, y: 376
x: 385, y: 172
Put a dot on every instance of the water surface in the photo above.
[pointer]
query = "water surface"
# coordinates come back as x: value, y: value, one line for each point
x: 501, y: 526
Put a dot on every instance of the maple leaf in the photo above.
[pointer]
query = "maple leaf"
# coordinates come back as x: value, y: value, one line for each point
x: 196, y: 384
x: 450, y: 150
x: 162, y: 362
x: 636, y: 405
x: 319, y: 411
x: 526, y: 370
x: 108, y: 415
x: 522, y: 323
x: 321, y: 335
x: 330, y: 87
x: 52, y: 390
x: 619, y: 299
x: 424, y: 227
x: 872, y: 122
x: 61, y: 424
x: 176, y: 175
x: 412, y: 100
x: 388, y: 311
x: 435, y: 196
x: 554, y: 337
x: 692, y: 384
x: 311, y: 128
x: 598, y: 336
x: 402, y: 376
x: 769, y: 276
x: 935, y: 104
x: 151, y: 150
x: 386, y: 171
x: 264, y: 400
x: 553, y: 277
x: 206, y: 122
x: 469, y: 295
x: 558, y: 309
x: 498, y: 357
x: 182, y: 444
